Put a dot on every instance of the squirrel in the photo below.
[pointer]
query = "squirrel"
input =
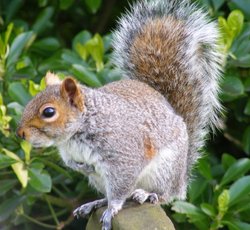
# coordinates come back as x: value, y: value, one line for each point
x: 138, y: 137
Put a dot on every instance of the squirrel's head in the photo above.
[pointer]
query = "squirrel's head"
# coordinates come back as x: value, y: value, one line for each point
x: 52, y: 115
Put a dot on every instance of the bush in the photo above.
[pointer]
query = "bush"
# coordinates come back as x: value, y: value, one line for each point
x: 37, y: 191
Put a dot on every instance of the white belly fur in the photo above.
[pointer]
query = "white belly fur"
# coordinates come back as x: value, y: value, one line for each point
x: 82, y: 153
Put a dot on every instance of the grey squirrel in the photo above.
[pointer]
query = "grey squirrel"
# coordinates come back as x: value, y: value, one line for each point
x: 138, y: 137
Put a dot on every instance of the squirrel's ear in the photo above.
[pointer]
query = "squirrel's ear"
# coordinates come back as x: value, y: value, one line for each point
x: 52, y: 79
x: 72, y: 93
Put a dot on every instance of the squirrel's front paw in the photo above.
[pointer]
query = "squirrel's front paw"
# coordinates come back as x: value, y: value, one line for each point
x: 87, y: 208
x: 82, y: 167
x: 88, y: 169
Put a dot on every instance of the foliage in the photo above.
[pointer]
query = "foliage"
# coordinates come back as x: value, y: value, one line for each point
x: 37, y: 191
x: 219, y: 195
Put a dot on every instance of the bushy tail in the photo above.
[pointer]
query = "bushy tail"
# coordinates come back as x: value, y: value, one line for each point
x: 172, y: 46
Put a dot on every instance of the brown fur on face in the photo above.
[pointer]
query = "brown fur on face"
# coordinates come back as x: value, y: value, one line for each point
x: 38, y: 129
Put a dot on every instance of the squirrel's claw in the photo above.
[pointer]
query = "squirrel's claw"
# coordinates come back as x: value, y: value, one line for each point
x: 106, y: 219
x: 141, y: 196
x: 83, y: 210
x: 153, y: 198
x: 109, y: 213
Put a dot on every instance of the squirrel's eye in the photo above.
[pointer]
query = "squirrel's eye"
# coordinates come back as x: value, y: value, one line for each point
x: 49, y: 112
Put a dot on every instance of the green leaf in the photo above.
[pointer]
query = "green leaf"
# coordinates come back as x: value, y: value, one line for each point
x: 46, y: 45
x: 17, y: 47
x: 106, y: 75
x: 12, y: 7
x: 241, y: 44
x: 243, y: 5
x: 36, y: 88
x: 43, y: 20
x: 235, y: 22
x: 8, y: 33
x: 40, y: 180
x: 223, y: 26
x: 33, y: 88
x: 247, y: 85
x: 26, y: 147
x: 6, y: 161
x: 82, y: 51
x: 8, y: 207
x: 246, y: 140
x: 72, y: 58
x: 227, y: 160
x: 18, y: 93
x: 1, y: 99
x: 230, y: 28
x: 208, y: 209
x: 242, y: 225
x: 232, y: 88
x: 226, y: 37
x: 53, y: 63
x: 194, y: 214
x: 217, y: 4
x: 239, y: 190
x: 3, y: 54
x: 179, y: 218
x: 93, y: 5
x: 189, y: 209
x: 242, y: 206
x: 7, y: 185
x: 65, y: 4
x: 204, y: 168
x: 238, y: 169
x: 80, y: 38
x: 107, y: 42
x: 57, y: 168
x: 17, y: 108
x: 243, y: 61
x: 42, y: 3
x: 86, y: 76
x: 235, y: 224
x: 23, y: 63
x: 96, y: 49
x: 38, y: 165
x: 18, y: 168
x: 197, y: 188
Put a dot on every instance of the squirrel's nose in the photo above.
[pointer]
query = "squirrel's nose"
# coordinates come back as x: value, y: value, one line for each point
x: 20, y: 133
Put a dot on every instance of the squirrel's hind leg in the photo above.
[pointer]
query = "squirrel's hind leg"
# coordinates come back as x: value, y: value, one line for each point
x: 87, y: 208
x: 141, y: 196
x: 114, y: 207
